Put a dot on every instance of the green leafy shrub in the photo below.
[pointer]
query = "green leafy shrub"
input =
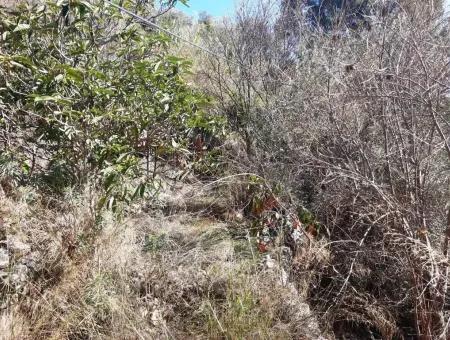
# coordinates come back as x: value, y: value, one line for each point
x: 85, y: 94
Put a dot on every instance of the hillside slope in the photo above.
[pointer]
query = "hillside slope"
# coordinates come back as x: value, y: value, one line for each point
x: 152, y: 275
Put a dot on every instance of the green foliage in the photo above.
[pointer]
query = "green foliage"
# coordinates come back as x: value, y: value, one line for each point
x: 11, y: 169
x: 92, y: 92
x: 305, y: 216
x: 154, y: 243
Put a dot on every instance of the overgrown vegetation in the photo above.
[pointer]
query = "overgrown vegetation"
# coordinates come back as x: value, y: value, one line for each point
x: 86, y: 94
x: 291, y: 183
x: 354, y: 123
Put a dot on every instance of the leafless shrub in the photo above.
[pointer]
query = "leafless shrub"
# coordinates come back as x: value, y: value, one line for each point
x: 358, y: 129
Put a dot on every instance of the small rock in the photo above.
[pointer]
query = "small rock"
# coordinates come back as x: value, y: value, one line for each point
x: 4, y: 258
x: 32, y: 260
x: 17, y: 246
x: 19, y: 277
x: 157, y: 318
x: 270, y: 262
x: 284, y: 277
x: 144, y: 312
x: 296, y: 235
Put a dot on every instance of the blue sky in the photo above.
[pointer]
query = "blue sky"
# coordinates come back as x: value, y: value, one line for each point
x: 223, y: 7
x: 213, y: 7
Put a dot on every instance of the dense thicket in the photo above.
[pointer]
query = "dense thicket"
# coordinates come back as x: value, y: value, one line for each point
x: 354, y: 122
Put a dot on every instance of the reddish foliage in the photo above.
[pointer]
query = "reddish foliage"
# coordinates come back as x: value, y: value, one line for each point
x: 263, y: 247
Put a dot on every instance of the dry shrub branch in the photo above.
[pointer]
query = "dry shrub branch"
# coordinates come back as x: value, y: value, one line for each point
x: 355, y: 123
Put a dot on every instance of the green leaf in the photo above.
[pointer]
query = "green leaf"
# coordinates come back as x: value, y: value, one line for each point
x: 21, y: 27
x: 12, y: 62
x: 24, y: 61
x: 59, y: 78
x: 56, y: 99
x: 174, y: 60
x: 101, y: 203
x: 110, y: 179
x: 74, y: 74
x: 139, y: 192
x: 111, y: 203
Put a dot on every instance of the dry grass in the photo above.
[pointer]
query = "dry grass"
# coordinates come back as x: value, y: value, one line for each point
x: 140, y: 277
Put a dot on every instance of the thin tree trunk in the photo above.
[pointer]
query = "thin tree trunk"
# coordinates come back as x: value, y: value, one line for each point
x: 447, y: 235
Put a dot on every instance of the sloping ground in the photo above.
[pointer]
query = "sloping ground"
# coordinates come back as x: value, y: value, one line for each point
x: 153, y: 275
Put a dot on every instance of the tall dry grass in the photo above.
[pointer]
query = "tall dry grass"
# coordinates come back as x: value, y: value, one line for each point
x: 145, y: 275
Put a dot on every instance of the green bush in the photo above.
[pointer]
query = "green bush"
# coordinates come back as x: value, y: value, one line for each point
x: 85, y: 93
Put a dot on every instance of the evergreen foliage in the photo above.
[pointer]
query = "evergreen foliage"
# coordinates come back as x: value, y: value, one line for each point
x: 85, y: 93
